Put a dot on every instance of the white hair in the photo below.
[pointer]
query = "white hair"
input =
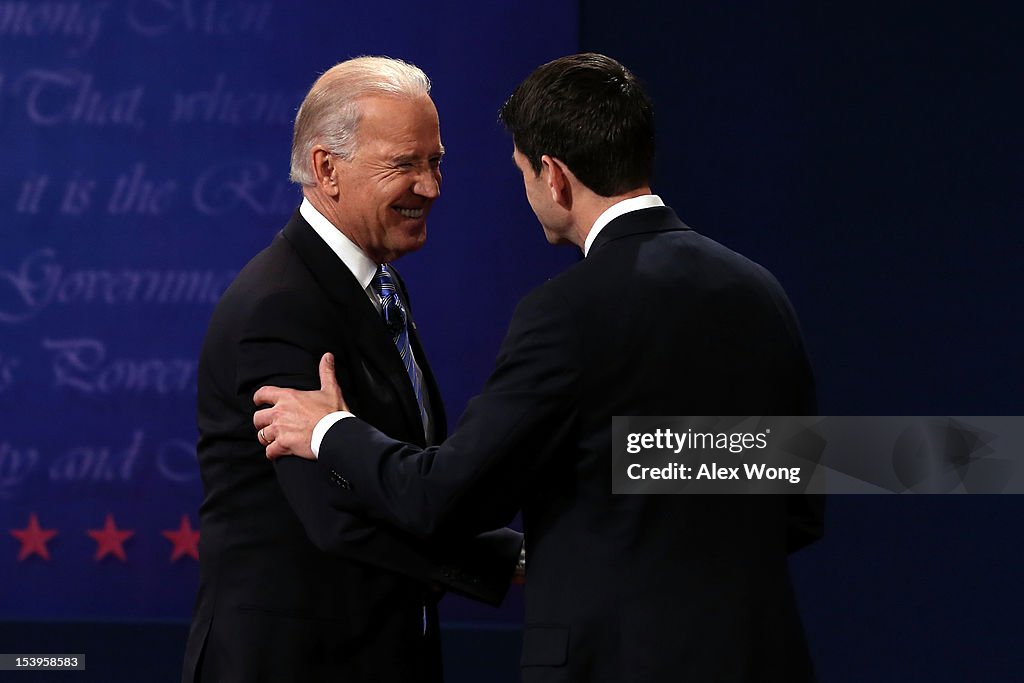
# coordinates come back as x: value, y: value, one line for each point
x: 330, y: 114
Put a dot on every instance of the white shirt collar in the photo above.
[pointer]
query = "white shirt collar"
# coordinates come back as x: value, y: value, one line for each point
x: 644, y: 201
x: 358, y: 263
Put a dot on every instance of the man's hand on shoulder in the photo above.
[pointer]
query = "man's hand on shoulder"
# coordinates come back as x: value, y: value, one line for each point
x: 286, y: 427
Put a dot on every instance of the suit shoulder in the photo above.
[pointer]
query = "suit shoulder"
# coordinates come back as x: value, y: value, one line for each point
x: 276, y: 267
x: 686, y: 254
x: 552, y: 291
x: 272, y: 287
x: 275, y: 276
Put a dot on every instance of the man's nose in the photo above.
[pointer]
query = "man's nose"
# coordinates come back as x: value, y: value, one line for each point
x: 428, y: 185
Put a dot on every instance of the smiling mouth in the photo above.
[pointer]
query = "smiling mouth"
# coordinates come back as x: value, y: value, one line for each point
x: 410, y: 213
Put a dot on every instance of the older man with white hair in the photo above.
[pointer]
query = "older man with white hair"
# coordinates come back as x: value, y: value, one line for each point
x: 292, y: 589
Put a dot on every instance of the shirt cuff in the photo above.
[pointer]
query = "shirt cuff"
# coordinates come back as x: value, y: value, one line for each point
x: 325, y: 423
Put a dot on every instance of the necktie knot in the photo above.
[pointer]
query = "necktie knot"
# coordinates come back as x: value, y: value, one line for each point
x: 390, y: 305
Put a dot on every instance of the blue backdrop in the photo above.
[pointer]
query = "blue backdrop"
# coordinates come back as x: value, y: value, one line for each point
x: 146, y: 147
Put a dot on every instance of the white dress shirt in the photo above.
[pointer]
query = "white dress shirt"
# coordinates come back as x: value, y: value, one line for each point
x: 359, y: 264
x: 644, y: 201
x: 363, y: 268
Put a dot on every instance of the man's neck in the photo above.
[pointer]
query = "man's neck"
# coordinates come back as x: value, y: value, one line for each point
x: 322, y: 205
x: 360, y: 265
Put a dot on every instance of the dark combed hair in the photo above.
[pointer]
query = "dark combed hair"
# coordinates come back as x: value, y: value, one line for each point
x: 590, y: 112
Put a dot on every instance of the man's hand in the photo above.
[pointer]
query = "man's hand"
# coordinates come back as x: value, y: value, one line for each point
x: 286, y: 428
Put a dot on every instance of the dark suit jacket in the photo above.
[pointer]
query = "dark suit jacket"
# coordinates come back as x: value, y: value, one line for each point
x: 657, y: 320
x: 291, y: 590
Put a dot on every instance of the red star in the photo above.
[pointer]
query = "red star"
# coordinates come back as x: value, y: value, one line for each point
x: 33, y: 539
x: 109, y: 539
x: 185, y: 540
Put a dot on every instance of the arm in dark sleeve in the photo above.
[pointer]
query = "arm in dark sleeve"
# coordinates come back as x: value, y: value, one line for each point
x: 477, y: 478
x: 275, y: 350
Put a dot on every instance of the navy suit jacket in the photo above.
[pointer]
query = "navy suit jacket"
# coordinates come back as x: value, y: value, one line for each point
x: 291, y: 589
x: 657, y: 320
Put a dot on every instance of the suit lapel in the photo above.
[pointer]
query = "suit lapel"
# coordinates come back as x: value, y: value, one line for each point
x: 363, y: 323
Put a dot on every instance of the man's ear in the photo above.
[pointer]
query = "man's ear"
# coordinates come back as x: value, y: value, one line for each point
x: 325, y: 170
x: 556, y: 177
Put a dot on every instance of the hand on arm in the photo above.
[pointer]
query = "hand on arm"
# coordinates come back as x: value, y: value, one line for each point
x: 478, y: 568
x: 478, y: 478
x: 286, y: 427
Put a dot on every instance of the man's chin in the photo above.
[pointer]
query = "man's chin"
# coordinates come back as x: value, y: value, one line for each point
x: 411, y: 242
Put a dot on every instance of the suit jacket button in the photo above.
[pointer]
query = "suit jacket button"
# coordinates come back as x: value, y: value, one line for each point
x: 339, y: 480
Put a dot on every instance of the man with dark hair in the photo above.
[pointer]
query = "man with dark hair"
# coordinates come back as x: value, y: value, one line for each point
x: 601, y: 125
x: 655, y: 320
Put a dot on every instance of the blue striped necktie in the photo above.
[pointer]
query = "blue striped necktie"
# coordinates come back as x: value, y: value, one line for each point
x: 396, y: 320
